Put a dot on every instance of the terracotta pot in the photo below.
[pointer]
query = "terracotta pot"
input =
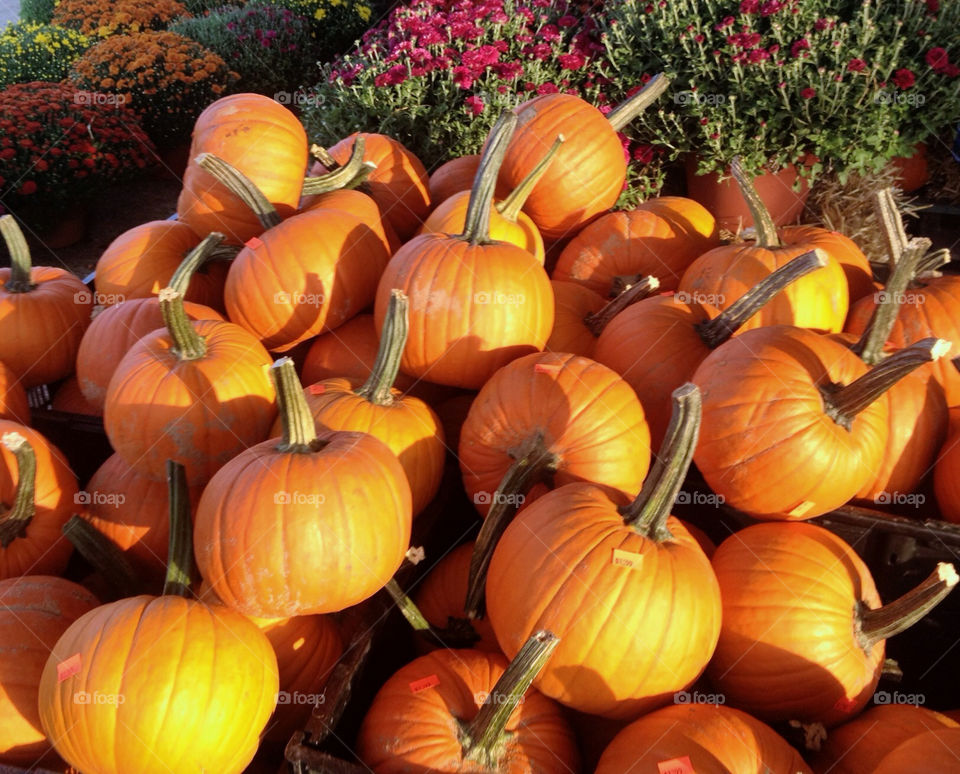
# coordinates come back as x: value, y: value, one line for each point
x: 912, y: 171
x: 723, y: 199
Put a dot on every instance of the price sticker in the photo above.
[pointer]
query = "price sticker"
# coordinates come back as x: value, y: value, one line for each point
x: 546, y: 368
x: 628, y: 559
x: 317, y: 389
x: 424, y: 683
x: 676, y: 766
x: 68, y: 667
x: 253, y: 243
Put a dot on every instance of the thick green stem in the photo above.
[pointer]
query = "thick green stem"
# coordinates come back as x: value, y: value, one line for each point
x: 476, y: 228
x: 510, y: 207
x: 648, y: 513
x: 180, y: 547
x: 874, y: 626
x: 378, y: 387
x: 407, y: 607
x: 20, y: 266
x: 842, y: 403
x: 765, y: 227
x: 350, y: 175
x: 716, y: 331
x: 203, y: 252
x: 626, y: 111
x: 482, y: 737
x: 532, y: 464
x: 299, y: 429
x: 187, y: 343
x: 891, y: 225
x: 242, y: 187
x: 643, y: 288
x: 104, y: 556
x: 14, y: 523
x: 459, y: 632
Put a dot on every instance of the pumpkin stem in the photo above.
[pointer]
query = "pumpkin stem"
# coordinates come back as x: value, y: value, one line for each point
x: 407, y: 607
x: 891, y: 224
x: 762, y: 221
x: 459, y: 632
x: 242, y: 187
x: 20, y: 265
x: 510, y: 207
x: 207, y: 250
x: 716, y: 331
x: 626, y: 111
x: 104, y: 556
x: 643, y: 288
x: 322, y: 155
x: 648, y: 513
x: 482, y: 737
x: 14, y: 523
x: 299, y: 429
x: 476, y: 228
x: 180, y: 547
x: 378, y: 387
x: 870, y: 345
x: 534, y: 462
x: 843, y: 403
x: 187, y: 343
x: 874, y: 626
x: 928, y: 265
x: 350, y: 175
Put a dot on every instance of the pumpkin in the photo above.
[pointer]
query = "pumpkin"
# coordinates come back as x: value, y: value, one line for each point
x: 113, y: 333
x: 359, y: 204
x: 794, y: 424
x: 43, y: 314
x: 339, y: 502
x: 13, y: 397
x: 38, y: 492
x: 468, y: 711
x: 932, y: 752
x: 811, y: 649
x: 657, y: 344
x: 946, y: 479
x: 589, y: 170
x: 721, y: 276
x: 856, y: 267
x: 141, y: 261
x: 595, y: 572
x: 193, y: 392
x: 860, y: 744
x: 262, y: 139
x: 475, y: 304
x: 70, y: 399
x: 407, y: 425
x: 135, y: 659
x: 507, y: 222
x: 711, y: 738
x: 452, y: 177
x: 34, y: 611
x: 687, y: 217
x: 649, y: 239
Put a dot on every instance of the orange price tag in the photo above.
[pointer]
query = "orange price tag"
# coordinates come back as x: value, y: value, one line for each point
x: 546, y: 368
x: 253, y: 243
x: 801, y: 509
x: 629, y: 559
x: 317, y: 389
x: 426, y: 682
x: 68, y: 667
x: 676, y: 766
x: 844, y: 704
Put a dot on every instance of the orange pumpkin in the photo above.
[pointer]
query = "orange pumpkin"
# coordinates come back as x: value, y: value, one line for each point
x: 933, y: 752
x: 43, y: 314
x: 13, y: 397
x: 359, y: 204
x: 70, y: 399
x: 475, y: 304
x: 596, y: 573
x: 855, y: 265
x: 34, y: 611
x: 452, y: 177
x: 262, y: 139
x: 340, y: 501
x: 946, y: 479
x: 573, y: 304
x: 811, y: 649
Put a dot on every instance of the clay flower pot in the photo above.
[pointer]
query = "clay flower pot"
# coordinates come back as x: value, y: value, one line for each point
x: 912, y: 171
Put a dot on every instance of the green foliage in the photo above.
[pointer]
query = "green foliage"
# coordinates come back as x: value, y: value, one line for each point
x: 37, y: 11
x: 38, y: 52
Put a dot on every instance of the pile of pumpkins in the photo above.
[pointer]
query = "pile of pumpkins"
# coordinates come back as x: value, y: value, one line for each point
x: 282, y: 371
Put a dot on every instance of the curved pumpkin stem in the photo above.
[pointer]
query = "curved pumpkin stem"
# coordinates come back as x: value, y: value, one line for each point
x: 762, y: 222
x: 510, y: 207
x: 482, y: 737
x: 626, y: 111
x: 104, y: 556
x: 716, y: 331
x: 299, y: 429
x: 648, y: 513
x: 187, y: 343
x: 843, y: 403
x: 180, y: 547
x: 322, y: 155
x: 350, y: 175
x: 242, y: 187
x: 874, y: 626
x: 536, y: 460
x: 643, y: 288
x: 476, y: 227
x: 20, y: 266
x: 14, y: 523
x: 378, y: 387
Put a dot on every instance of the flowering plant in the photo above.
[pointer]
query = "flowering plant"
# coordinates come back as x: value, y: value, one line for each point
x: 57, y: 144
x: 335, y: 25
x: 37, y: 11
x: 268, y: 46
x: 165, y: 78
x: 436, y: 73
x: 38, y: 52
x: 852, y: 82
x: 101, y: 20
